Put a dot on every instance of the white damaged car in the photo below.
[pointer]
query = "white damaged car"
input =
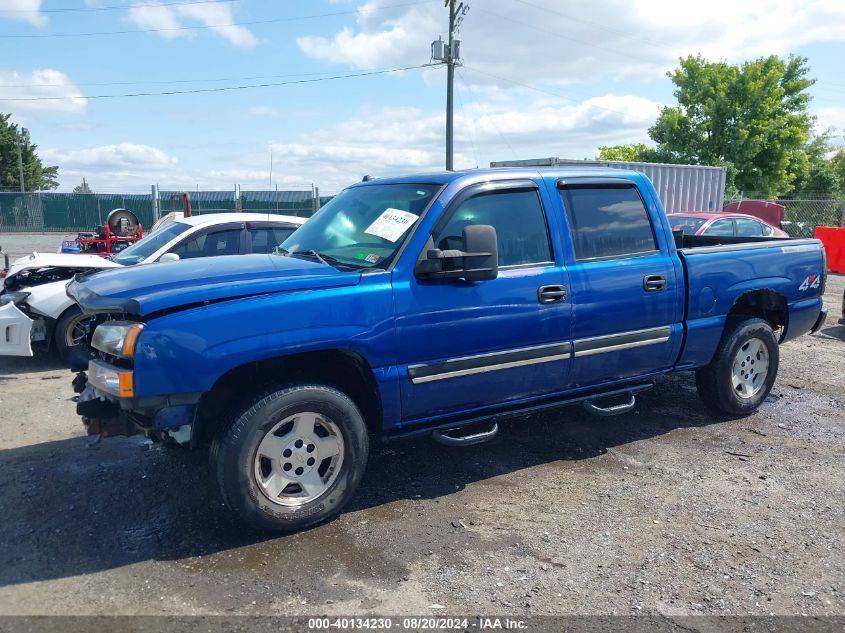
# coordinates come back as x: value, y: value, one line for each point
x: 36, y: 313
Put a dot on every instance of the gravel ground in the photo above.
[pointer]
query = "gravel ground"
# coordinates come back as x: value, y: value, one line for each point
x: 663, y: 511
x: 19, y: 244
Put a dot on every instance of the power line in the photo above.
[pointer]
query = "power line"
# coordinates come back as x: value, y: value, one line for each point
x: 223, y: 88
x: 548, y: 92
x: 114, y: 7
x: 214, y: 26
x: 489, y: 115
x: 596, y: 24
x: 567, y: 38
x: 472, y: 119
x: 168, y: 82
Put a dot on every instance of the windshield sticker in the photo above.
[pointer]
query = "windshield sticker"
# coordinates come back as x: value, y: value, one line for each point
x: 391, y: 224
x: 372, y: 258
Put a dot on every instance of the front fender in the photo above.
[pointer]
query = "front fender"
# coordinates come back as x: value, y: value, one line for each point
x: 49, y: 299
x: 188, y: 351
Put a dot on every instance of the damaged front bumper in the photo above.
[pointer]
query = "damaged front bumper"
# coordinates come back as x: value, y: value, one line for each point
x: 20, y: 325
x: 15, y: 331
x: 107, y: 408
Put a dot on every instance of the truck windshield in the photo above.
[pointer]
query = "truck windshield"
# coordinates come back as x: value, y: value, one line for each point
x: 148, y: 245
x: 363, y: 226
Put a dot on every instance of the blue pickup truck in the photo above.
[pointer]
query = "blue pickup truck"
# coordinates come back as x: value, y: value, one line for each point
x: 435, y: 305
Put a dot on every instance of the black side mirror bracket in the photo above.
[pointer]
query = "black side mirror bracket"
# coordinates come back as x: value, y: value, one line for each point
x: 476, y: 261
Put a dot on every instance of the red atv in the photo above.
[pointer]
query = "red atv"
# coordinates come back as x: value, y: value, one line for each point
x: 121, y: 229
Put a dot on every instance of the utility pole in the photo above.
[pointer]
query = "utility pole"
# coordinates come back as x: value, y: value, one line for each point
x: 20, y: 160
x: 450, y: 90
x: 450, y: 54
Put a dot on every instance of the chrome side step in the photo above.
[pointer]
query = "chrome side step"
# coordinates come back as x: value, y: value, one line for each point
x: 496, y: 415
x: 607, y: 412
x: 466, y: 440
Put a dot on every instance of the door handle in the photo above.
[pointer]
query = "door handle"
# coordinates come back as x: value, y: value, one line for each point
x: 654, y: 283
x: 551, y: 294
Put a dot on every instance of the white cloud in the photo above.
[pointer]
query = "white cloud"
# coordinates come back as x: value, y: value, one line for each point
x: 153, y: 17
x: 111, y: 167
x: 39, y: 84
x: 379, y: 141
x: 22, y: 11
x: 831, y: 117
x: 392, y: 141
x: 263, y: 111
x: 171, y: 18
x: 544, y: 40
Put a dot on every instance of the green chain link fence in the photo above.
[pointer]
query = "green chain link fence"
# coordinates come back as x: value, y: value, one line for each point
x: 69, y: 212
x: 801, y: 217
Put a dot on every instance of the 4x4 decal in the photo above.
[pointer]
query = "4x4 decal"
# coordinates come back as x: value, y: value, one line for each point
x: 813, y: 281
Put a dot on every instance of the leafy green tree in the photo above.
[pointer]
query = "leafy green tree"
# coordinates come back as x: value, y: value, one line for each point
x: 635, y: 152
x: 837, y: 163
x: 753, y: 117
x: 82, y: 188
x: 819, y: 178
x: 37, y: 177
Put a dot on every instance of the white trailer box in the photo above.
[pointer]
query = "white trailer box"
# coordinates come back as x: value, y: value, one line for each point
x: 680, y: 187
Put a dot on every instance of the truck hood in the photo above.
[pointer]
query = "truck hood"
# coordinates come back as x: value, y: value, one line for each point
x: 59, y: 260
x: 144, y: 290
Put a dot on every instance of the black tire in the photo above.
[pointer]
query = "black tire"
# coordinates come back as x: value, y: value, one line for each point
x: 715, y: 382
x: 63, y: 332
x: 235, y: 458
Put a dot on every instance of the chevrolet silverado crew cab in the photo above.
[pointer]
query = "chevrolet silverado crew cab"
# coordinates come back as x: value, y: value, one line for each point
x: 433, y: 305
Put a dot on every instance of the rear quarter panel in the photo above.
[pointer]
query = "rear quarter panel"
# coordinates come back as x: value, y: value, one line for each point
x: 718, y: 276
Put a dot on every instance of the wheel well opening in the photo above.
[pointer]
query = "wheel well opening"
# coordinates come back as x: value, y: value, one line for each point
x: 235, y: 390
x: 762, y: 304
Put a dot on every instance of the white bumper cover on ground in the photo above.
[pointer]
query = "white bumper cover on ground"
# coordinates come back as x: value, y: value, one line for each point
x: 15, y: 330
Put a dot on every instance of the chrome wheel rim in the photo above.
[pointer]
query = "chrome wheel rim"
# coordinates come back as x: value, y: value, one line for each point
x: 77, y: 331
x: 750, y: 368
x: 299, y: 459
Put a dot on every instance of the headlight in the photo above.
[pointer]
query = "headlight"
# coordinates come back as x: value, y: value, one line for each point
x: 117, y: 338
x: 13, y: 297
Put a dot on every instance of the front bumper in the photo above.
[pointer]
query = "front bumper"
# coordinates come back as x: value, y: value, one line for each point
x: 15, y: 331
x: 107, y: 410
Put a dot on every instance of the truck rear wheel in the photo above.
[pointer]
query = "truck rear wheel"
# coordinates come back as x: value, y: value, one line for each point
x: 743, y: 370
x: 293, y: 459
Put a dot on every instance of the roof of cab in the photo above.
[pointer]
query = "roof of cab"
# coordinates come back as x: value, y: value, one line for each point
x: 504, y: 173
x: 221, y: 218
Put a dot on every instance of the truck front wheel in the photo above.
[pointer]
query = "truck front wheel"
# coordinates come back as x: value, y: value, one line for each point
x: 293, y: 459
x: 742, y: 371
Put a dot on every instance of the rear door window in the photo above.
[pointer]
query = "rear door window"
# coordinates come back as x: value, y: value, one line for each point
x: 607, y: 221
x: 721, y: 228
x: 210, y: 244
x: 746, y: 227
x: 266, y: 238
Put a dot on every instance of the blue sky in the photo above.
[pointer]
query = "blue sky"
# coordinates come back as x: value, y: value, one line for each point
x: 540, y: 78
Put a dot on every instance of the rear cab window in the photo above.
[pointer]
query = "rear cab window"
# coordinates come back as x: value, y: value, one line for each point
x: 607, y: 220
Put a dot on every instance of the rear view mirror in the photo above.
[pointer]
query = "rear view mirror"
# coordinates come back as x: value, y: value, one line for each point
x: 478, y: 259
x: 169, y: 257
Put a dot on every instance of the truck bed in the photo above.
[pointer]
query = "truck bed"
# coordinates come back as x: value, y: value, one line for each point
x: 720, y: 270
x: 687, y: 242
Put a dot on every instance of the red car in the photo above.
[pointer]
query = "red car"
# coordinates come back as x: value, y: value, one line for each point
x: 724, y: 224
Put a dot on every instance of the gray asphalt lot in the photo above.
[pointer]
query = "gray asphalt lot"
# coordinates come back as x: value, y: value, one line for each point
x: 666, y: 510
